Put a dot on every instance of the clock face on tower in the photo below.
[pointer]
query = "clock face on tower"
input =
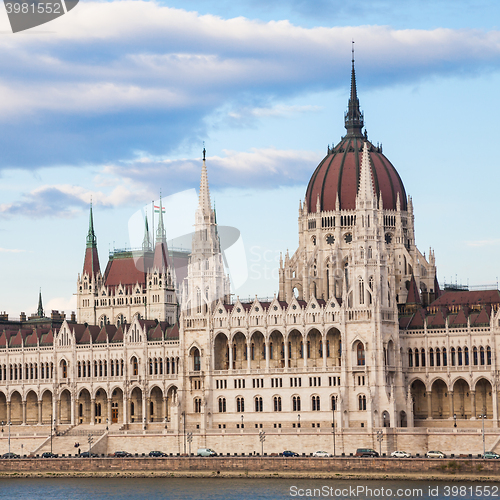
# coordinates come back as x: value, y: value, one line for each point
x: 330, y: 239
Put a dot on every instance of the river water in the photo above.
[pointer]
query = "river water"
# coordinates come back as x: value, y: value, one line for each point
x: 239, y: 489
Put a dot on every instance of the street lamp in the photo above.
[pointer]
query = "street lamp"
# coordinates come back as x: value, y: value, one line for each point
x: 184, y: 426
x: 242, y: 424
x: 380, y: 437
x: 107, y: 421
x: 10, y: 423
x: 455, y: 420
x: 298, y: 417
x: 52, y: 425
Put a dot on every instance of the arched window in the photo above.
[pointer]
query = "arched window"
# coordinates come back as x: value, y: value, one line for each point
x: 422, y: 358
x: 362, y: 253
x: 361, y: 286
x: 370, y: 252
x: 150, y: 366
x: 466, y: 356
x: 445, y: 357
x: 474, y: 356
x: 431, y: 357
x: 277, y: 403
x: 438, y: 357
x: 64, y: 367
x: 453, y: 356
x: 360, y: 354
x: 258, y: 403
x: 315, y: 403
x: 481, y: 355
x: 459, y: 356
x: 222, y: 405
x: 296, y: 403
x: 135, y: 366
x: 488, y: 355
x: 240, y: 405
x: 334, y: 403
x: 197, y: 405
x: 362, y: 402
x: 197, y: 360
x: 417, y: 358
x: 410, y: 358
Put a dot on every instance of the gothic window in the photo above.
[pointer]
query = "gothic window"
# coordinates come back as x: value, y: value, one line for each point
x: 360, y: 354
x: 313, y: 239
x: 150, y: 366
x: 135, y: 366
x: 410, y: 358
x: 315, y: 403
x: 422, y: 357
x: 64, y: 369
x: 277, y: 403
x: 197, y: 405
x: 361, y: 291
x: 474, y: 356
x: 466, y: 356
x: 240, y: 405
x: 488, y: 355
x: 445, y: 357
x: 362, y: 253
x: 459, y: 356
x: 431, y: 357
x: 222, y: 405
x: 196, y: 360
x: 362, y: 402
x: 258, y: 404
x: 296, y: 403
x: 348, y: 238
x: 330, y: 239
x: 453, y: 356
x: 334, y: 403
x: 481, y: 355
x: 438, y: 357
x: 370, y: 253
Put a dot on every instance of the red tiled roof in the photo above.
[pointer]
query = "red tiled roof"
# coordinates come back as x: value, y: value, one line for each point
x: 459, y: 319
x: 467, y: 298
x: 47, y: 338
x: 481, y: 319
x: 437, y: 320
x: 125, y: 271
x: 161, y: 258
x: 118, y: 336
x: 91, y: 262
x: 413, y: 294
x: 417, y: 320
x: 172, y: 332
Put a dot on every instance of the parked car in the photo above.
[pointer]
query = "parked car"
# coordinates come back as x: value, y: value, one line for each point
x: 400, y: 454
x: 435, y: 454
x: 321, y: 454
x: 86, y: 454
x: 366, y: 452
x: 122, y: 454
x: 157, y: 454
x: 491, y: 454
x: 49, y: 454
x: 288, y: 453
x: 10, y: 455
x: 206, y: 452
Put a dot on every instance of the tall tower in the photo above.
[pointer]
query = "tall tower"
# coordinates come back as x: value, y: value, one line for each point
x: 161, y: 296
x: 206, y: 282
x: 90, y: 279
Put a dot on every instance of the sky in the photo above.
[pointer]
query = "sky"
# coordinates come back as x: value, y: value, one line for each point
x: 114, y: 102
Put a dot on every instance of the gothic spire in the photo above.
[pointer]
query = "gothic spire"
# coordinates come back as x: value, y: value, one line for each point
x: 39, y: 311
x: 353, y: 117
x: 161, y: 234
x: 204, y: 198
x: 146, y: 242
x: 91, y: 238
x: 365, y: 189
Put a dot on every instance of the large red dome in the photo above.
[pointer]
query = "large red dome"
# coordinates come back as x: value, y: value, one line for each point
x: 340, y: 169
x: 339, y: 173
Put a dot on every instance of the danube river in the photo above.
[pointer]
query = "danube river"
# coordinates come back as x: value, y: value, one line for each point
x: 239, y: 489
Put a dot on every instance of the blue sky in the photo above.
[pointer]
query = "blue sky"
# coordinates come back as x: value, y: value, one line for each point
x: 114, y: 101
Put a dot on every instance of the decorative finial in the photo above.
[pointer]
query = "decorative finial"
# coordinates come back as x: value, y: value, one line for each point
x: 204, y: 151
x: 352, y: 45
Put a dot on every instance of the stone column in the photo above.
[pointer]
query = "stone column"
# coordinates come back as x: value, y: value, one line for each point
x: 108, y: 410
x: 58, y: 415
x: 39, y: 403
x: 304, y: 351
x: 473, y: 404
x: 323, y: 340
x: 8, y: 411
x: 92, y: 411
x: 54, y: 409
x: 125, y: 409
x: 165, y: 408
x: 267, y: 354
x: 230, y: 346
x: 452, y: 404
x: 23, y: 404
x: 494, y: 400
x: 144, y: 415
x: 287, y: 361
x: 148, y: 410
x: 73, y: 403
x: 429, y: 404
x: 249, y: 355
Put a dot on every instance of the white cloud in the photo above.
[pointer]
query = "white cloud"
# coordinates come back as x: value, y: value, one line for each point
x: 61, y: 304
x: 12, y: 250
x: 484, y: 243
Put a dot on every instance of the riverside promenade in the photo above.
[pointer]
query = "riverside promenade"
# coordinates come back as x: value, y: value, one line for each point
x: 300, y: 467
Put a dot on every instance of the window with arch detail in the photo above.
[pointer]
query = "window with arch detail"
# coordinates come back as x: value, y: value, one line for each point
x: 315, y: 403
x: 362, y: 402
x: 360, y: 354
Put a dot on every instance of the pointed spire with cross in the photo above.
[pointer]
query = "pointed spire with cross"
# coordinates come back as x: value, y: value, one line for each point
x: 353, y: 117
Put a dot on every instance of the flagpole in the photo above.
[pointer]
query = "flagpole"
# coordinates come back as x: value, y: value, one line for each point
x: 153, y: 220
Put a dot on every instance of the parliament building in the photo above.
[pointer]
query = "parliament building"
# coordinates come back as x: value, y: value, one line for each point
x: 360, y: 339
